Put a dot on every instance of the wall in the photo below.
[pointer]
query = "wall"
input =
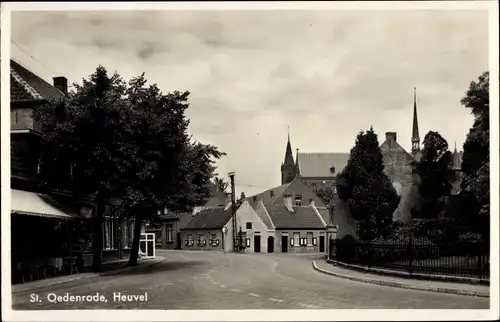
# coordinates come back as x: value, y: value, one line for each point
x: 303, y: 234
x: 398, y: 168
x: 21, y: 119
x: 173, y: 244
x: 244, y: 214
x: 206, y: 235
x: 298, y: 187
x: 341, y: 217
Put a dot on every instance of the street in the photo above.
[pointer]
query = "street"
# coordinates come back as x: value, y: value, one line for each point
x: 212, y: 280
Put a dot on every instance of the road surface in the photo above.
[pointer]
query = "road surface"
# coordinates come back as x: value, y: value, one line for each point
x: 211, y: 280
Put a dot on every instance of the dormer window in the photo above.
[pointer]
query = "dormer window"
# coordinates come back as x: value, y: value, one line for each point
x: 298, y: 200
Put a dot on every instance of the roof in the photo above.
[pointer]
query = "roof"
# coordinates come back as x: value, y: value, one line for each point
x: 210, y: 218
x: 184, y: 220
x: 301, y: 218
x: 36, y: 204
x: 217, y: 198
x: 266, y: 219
x: 27, y: 87
x: 319, y: 164
x: 266, y: 195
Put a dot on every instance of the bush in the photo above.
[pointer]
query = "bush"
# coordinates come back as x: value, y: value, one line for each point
x: 470, y: 238
x: 346, y: 248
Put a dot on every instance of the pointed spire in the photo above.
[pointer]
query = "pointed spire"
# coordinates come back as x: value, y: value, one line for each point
x: 288, y: 152
x: 297, y: 165
x: 415, y: 139
x: 455, y: 151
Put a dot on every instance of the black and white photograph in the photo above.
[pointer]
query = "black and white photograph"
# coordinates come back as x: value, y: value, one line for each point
x: 278, y: 157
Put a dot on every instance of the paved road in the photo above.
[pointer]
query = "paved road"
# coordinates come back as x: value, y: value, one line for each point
x: 210, y: 280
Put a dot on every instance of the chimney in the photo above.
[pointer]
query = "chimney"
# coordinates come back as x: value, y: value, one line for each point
x: 288, y: 203
x: 271, y: 193
x: 312, y: 203
x: 61, y: 83
x: 391, y: 136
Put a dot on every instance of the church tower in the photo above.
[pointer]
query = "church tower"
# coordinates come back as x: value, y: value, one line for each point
x: 288, y: 166
x: 415, y: 139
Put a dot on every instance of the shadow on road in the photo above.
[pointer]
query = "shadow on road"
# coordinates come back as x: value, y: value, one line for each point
x: 156, y: 268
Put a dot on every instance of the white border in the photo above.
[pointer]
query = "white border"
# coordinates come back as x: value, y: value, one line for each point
x: 255, y: 315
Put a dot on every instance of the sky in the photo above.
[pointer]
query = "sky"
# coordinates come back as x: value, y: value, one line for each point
x: 252, y: 74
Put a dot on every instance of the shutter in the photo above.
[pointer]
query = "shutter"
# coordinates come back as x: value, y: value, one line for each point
x: 248, y: 242
x: 304, y: 241
x: 204, y: 242
x: 291, y: 241
x: 198, y: 242
x: 187, y: 242
x: 210, y: 242
x: 217, y: 242
x: 314, y: 241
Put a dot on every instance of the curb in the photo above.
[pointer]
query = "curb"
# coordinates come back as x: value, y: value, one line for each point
x: 81, y: 276
x: 386, y: 272
x: 402, y: 285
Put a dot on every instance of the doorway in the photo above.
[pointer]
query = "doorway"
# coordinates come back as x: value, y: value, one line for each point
x: 256, y: 244
x: 270, y: 244
x: 321, y: 244
x: 284, y: 244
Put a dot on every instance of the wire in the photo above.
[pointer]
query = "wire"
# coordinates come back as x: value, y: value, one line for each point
x: 33, y: 57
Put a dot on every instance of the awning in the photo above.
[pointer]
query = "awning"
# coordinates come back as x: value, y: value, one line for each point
x: 35, y: 204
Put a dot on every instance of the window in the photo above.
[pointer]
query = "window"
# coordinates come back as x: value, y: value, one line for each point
x: 108, y: 235
x: 213, y: 240
x: 296, y: 239
x: 309, y: 239
x: 170, y: 233
x: 201, y: 240
x: 189, y: 240
x: 249, y: 225
x: 298, y: 200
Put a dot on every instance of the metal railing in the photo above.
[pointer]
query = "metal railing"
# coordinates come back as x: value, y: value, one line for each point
x: 461, y: 259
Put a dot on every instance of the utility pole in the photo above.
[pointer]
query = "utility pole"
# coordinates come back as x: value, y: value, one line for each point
x: 233, y: 210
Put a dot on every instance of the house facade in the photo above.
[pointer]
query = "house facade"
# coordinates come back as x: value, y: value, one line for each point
x: 212, y: 230
x: 297, y: 229
x: 168, y: 231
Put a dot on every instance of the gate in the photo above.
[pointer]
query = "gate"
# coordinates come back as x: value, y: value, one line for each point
x: 147, y: 245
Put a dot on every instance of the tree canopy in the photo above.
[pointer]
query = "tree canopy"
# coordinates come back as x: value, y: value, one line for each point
x: 221, y: 184
x: 435, y: 174
x: 365, y: 187
x: 476, y: 156
x: 127, y: 141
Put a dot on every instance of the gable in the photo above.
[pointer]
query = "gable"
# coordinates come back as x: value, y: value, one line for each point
x: 246, y: 213
x: 320, y: 164
x: 28, y: 87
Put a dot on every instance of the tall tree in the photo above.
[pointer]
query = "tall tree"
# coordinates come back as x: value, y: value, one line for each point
x: 221, y: 184
x: 127, y: 141
x: 80, y: 133
x: 476, y: 157
x: 365, y: 187
x: 435, y: 174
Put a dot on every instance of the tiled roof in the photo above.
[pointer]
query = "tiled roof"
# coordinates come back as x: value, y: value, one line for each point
x: 184, y: 220
x: 211, y: 218
x: 26, y: 86
x: 266, y: 197
x: 261, y: 212
x: 301, y: 217
x: 218, y: 198
x: 319, y: 164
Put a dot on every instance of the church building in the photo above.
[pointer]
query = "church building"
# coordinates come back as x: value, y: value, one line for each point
x: 318, y: 170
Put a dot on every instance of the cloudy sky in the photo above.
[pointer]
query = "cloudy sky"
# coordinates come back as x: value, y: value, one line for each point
x: 326, y: 74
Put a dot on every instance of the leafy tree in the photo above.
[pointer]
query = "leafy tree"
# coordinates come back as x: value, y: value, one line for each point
x: 476, y: 157
x: 366, y: 189
x: 435, y: 174
x: 220, y: 184
x: 327, y: 194
x: 128, y: 141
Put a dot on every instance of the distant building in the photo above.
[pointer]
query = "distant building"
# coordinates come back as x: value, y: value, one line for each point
x: 319, y: 170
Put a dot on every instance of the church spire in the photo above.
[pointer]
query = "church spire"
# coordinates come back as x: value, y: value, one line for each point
x: 415, y: 139
x: 288, y: 152
x: 297, y: 165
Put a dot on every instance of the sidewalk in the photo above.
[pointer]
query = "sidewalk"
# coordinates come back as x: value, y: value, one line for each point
x: 414, y: 284
x: 107, y: 268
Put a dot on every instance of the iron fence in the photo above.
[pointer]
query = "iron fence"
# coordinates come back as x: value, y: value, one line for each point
x: 461, y: 259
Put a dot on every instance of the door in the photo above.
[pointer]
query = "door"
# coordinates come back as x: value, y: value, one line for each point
x: 270, y: 244
x: 147, y: 245
x: 256, y: 243
x: 179, y: 243
x: 284, y: 244
x: 321, y: 244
